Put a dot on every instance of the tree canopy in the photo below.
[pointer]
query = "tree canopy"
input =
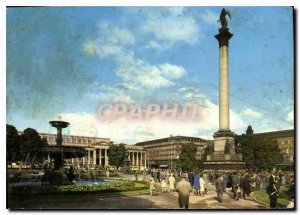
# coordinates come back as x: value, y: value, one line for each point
x: 12, y: 144
x: 116, y: 155
x: 187, y: 158
x: 259, y: 152
x: 31, y: 144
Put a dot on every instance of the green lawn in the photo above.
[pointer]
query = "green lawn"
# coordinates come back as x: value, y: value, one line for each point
x: 262, y: 196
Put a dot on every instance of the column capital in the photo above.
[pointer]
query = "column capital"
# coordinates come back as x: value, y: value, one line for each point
x: 223, y: 37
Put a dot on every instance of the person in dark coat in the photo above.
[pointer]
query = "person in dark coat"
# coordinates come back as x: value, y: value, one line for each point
x: 219, y: 187
x: 158, y: 175
x: 225, y: 181
x: 191, y: 177
x: 246, y: 186
x: 184, y: 188
x: 273, y: 195
x: 235, y: 185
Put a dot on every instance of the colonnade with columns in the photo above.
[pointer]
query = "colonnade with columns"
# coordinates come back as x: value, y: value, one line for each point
x: 137, y: 158
x: 95, y: 156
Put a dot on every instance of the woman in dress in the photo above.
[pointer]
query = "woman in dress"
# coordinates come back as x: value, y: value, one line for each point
x: 197, y: 184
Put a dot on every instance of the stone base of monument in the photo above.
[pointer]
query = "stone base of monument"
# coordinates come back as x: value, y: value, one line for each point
x: 224, y: 166
x: 224, y: 157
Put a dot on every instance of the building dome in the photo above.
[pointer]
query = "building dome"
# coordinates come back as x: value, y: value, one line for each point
x: 249, y: 130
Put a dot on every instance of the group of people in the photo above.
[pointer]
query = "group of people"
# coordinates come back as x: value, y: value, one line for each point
x: 183, y: 187
x: 244, y: 184
x: 163, y: 184
x: 241, y: 184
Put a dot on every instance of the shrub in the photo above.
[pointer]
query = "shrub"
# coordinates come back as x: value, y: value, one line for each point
x: 74, y: 189
x: 285, y: 192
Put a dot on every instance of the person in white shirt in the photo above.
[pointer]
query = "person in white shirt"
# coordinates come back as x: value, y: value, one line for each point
x: 202, y: 185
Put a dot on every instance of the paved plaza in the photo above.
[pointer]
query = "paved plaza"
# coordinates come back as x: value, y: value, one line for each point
x: 136, y: 201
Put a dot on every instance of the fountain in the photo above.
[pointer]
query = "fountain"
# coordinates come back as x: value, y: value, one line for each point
x: 59, y: 153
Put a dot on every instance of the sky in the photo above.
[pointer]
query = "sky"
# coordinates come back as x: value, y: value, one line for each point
x: 68, y: 61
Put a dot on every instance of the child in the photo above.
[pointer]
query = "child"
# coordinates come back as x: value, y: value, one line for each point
x: 163, y: 185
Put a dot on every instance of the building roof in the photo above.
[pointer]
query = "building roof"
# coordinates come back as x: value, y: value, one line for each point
x: 156, y: 141
x: 277, y: 134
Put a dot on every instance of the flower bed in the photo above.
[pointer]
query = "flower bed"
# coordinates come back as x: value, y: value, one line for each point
x: 74, y: 189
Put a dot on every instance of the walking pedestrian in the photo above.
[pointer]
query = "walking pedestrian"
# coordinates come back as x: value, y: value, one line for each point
x: 205, y: 178
x: 219, y: 187
x: 172, y: 182
x: 163, y: 185
x: 225, y: 181
x: 191, y: 177
x: 197, y: 184
x: 184, y: 188
x: 235, y: 185
x: 273, y: 195
x: 158, y: 175
x: 152, y: 187
x: 202, y: 185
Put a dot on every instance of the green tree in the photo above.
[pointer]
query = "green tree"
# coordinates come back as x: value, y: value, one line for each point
x: 187, y: 158
x: 260, y: 152
x: 31, y: 144
x: 208, y: 150
x: 116, y: 155
x: 12, y: 144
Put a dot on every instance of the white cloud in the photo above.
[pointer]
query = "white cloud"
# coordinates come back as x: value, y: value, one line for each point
x: 115, y: 34
x: 129, y: 131
x: 141, y: 73
x: 111, y: 40
x: 251, y: 113
x: 158, y: 45
x: 172, y: 71
x: 171, y: 26
x: 210, y: 16
x: 291, y: 116
x: 81, y: 123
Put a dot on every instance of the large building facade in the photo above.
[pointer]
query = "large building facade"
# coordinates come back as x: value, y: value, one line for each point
x: 97, y: 151
x: 284, y: 138
x: 165, y: 151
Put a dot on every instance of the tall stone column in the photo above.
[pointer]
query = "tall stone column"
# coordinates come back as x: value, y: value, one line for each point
x: 106, y: 158
x: 94, y: 156
x: 100, y: 157
x: 224, y: 135
x: 224, y: 119
x: 89, y: 157
x: 133, y: 161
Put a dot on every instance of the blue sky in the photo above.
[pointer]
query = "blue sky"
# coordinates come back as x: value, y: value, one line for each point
x: 69, y: 60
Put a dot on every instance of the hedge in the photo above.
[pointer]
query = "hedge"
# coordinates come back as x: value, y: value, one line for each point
x: 74, y: 189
